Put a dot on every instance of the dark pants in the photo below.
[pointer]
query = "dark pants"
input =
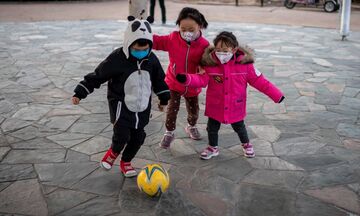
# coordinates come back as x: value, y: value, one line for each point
x: 192, y: 107
x: 213, y: 128
x: 163, y: 10
x: 134, y: 139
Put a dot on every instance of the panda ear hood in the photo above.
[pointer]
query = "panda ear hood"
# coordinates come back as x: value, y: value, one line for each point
x: 136, y: 29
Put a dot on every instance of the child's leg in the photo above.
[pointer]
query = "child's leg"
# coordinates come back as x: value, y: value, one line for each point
x: 172, y: 111
x: 240, y: 129
x: 192, y: 107
x: 119, y: 139
x: 212, y: 150
x: 213, y: 128
x: 170, y: 124
x: 137, y: 137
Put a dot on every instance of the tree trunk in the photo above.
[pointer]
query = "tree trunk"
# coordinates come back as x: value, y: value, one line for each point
x: 138, y: 8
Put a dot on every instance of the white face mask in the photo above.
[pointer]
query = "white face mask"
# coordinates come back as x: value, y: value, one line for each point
x: 189, y: 36
x: 224, y: 57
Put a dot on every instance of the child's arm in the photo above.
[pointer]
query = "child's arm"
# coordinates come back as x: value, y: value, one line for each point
x: 102, y: 73
x: 160, y: 88
x: 193, y: 80
x: 161, y: 42
x: 258, y: 81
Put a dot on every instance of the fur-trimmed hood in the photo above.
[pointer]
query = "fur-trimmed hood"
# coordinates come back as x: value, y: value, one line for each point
x: 244, y: 55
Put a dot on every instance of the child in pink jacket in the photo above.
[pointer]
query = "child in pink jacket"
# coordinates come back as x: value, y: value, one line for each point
x: 185, y: 48
x: 228, y: 70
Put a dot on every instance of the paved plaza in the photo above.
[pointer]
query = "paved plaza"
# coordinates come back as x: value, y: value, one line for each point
x: 308, y: 148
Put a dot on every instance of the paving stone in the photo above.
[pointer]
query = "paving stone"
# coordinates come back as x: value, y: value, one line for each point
x: 64, y: 174
x: 62, y: 200
x: 349, y: 201
x: 322, y: 62
x: 35, y: 156
x: 31, y: 113
x: 174, y: 203
x: 353, y: 103
x: 352, y: 144
x: 348, y: 130
x: 4, y: 185
x: 273, y: 108
x: 9, y: 172
x: 313, y: 162
x: 37, y: 143
x: 272, y: 163
x: 73, y: 156
x: 266, y: 132
x: 64, y: 109
x: 143, y: 204
x: 69, y: 140
x: 209, y: 204
x: 328, y: 120
x: 306, y: 206
x: 297, y: 146
x: 284, y: 179
x: 88, y: 128
x: 341, y: 174
x: 6, y: 106
x: 351, y: 92
x: 96, y: 206
x: 273, y: 201
x: 12, y: 124
x: 3, y: 152
x: 179, y: 148
x: 23, y: 197
x: 58, y: 122
x: 94, y: 145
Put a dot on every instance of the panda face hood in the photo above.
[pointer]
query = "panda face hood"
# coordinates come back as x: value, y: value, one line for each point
x: 137, y: 29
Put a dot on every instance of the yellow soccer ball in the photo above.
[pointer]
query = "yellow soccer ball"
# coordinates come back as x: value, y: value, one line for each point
x: 153, y: 180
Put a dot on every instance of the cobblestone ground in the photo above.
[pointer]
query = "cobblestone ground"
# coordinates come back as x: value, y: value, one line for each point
x: 307, y: 148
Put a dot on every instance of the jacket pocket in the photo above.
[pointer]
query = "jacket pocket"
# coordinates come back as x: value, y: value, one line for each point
x: 118, y: 111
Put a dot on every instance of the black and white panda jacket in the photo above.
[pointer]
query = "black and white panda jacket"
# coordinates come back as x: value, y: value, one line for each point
x: 130, y: 83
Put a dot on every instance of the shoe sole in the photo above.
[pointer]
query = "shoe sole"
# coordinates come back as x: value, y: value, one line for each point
x: 209, y: 157
x: 249, y: 156
x: 102, y: 166
x: 129, y: 175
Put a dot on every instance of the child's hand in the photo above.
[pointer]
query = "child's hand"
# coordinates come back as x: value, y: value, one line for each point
x: 75, y: 100
x: 181, y: 78
x: 201, y: 70
x: 161, y: 107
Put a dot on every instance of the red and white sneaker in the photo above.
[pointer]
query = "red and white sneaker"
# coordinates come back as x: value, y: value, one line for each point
x: 209, y: 152
x: 108, y: 159
x: 248, y: 150
x: 127, y: 169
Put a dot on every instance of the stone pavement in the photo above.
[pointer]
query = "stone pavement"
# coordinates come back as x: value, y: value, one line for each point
x: 308, y: 148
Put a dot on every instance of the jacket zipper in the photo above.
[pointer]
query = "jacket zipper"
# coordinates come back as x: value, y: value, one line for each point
x: 139, y: 92
x: 186, y: 64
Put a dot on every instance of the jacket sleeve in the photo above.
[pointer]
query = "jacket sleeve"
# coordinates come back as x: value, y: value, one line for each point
x: 197, y: 80
x: 258, y: 81
x: 102, y: 73
x: 161, y: 42
x: 160, y: 88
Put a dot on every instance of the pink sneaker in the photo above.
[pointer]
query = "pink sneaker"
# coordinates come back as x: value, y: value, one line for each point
x: 209, y: 152
x: 167, y: 139
x: 127, y: 169
x: 108, y: 160
x: 248, y: 150
x: 193, y: 132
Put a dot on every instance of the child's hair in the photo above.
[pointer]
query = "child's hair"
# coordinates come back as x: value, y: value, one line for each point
x: 194, y: 14
x: 228, y: 38
x: 142, y: 42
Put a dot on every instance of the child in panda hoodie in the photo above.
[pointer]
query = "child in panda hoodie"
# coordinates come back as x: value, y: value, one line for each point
x: 132, y: 73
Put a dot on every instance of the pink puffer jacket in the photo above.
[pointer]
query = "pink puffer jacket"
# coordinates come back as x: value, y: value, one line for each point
x: 227, y: 83
x: 184, y: 59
